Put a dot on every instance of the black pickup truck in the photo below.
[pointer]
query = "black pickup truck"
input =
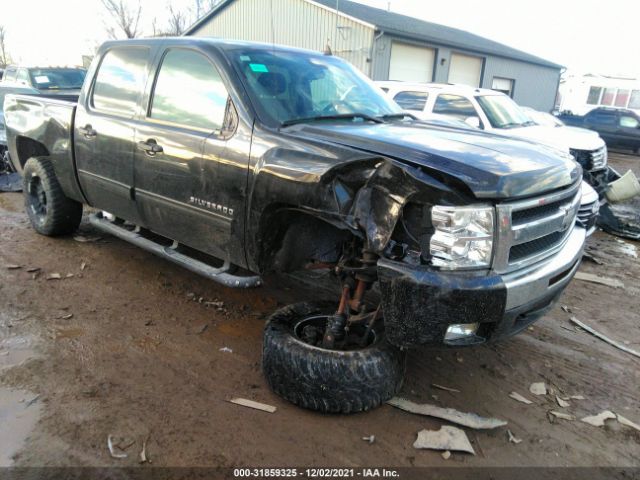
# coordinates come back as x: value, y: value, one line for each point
x: 235, y: 159
x: 618, y: 127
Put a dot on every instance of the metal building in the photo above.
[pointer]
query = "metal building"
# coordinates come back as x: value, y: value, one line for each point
x: 387, y: 46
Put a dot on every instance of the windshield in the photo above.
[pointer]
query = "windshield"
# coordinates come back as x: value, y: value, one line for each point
x: 503, y: 112
x: 291, y: 87
x: 57, y: 78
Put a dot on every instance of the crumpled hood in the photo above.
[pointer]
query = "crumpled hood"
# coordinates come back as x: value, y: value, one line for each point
x: 562, y: 138
x: 492, y: 166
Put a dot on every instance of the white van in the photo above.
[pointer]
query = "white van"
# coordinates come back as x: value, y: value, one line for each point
x: 495, y: 112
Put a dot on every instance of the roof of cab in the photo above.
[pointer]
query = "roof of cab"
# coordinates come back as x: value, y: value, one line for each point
x: 430, y: 87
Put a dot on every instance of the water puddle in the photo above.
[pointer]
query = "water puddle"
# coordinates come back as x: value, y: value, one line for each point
x: 19, y: 412
x: 15, y: 351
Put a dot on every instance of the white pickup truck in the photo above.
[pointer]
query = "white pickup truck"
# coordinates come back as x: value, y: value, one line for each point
x: 495, y: 112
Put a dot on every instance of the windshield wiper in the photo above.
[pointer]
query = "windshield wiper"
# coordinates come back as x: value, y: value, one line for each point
x: 344, y: 116
x: 398, y: 116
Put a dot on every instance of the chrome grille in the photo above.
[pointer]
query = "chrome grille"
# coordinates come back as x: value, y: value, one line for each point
x: 533, y: 229
x: 591, y: 159
x: 587, y: 214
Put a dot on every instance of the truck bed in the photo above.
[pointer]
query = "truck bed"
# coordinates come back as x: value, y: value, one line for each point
x: 43, y: 125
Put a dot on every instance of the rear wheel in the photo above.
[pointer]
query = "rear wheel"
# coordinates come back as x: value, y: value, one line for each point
x: 51, y: 212
x: 359, y: 374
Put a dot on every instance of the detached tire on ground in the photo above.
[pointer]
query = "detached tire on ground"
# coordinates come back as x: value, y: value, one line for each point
x: 51, y: 213
x: 327, y: 380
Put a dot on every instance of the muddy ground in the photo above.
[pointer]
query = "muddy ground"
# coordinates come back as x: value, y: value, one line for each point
x: 121, y: 345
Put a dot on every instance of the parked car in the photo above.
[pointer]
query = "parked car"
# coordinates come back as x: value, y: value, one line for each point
x: 618, y: 127
x: 495, y: 112
x: 279, y: 159
x: 50, y: 80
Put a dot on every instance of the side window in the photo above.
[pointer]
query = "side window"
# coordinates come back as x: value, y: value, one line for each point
x: 189, y: 91
x: 627, y: 121
x: 602, y: 118
x: 120, y: 80
x: 454, y: 105
x: 412, y: 100
x: 23, y: 76
x: 10, y: 75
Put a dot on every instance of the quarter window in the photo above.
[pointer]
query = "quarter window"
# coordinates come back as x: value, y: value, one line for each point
x: 189, y: 91
x: 120, y: 80
x: 454, y: 105
x: 412, y: 100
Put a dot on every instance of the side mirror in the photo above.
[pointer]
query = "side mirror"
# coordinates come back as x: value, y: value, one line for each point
x: 472, y: 122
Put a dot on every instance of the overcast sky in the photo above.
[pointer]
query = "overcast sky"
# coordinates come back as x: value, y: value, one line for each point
x: 585, y: 35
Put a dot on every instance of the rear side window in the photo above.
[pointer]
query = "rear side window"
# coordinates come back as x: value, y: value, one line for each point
x: 603, y: 118
x: 120, y: 80
x: 412, y: 100
x: 10, y: 75
x: 189, y: 91
x: 454, y: 105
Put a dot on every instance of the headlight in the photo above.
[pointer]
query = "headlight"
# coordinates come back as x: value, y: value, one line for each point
x: 463, y: 237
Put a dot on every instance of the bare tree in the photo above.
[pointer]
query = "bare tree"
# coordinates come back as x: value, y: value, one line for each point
x: 178, y: 22
x: 127, y: 19
x: 5, y: 58
x: 175, y: 25
x: 205, y: 6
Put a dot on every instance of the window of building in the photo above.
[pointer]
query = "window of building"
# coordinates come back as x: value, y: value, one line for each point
x: 504, y: 85
x: 622, y: 97
x: 412, y: 100
x: 454, y: 105
x: 594, y: 96
x: 608, y: 96
x: 120, y: 80
x: 627, y: 121
x: 189, y: 91
x: 634, y: 100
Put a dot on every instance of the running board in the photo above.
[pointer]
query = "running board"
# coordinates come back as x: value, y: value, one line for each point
x: 220, y: 275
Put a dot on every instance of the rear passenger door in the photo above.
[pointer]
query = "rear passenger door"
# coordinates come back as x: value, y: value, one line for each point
x: 190, y: 173
x: 105, y: 128
x: 605, y: 122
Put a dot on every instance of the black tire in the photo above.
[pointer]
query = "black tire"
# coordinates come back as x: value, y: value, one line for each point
x: 51, y: 213
x: 328, y: 380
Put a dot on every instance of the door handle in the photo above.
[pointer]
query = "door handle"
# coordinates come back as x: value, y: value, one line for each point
x: 150, y: 147
x: 87, y: 131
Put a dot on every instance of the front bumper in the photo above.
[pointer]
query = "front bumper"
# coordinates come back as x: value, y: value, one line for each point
x: 420, y: 303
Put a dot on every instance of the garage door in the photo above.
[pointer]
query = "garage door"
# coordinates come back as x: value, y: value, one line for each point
x: 465, y: 69
x: 410, y: 63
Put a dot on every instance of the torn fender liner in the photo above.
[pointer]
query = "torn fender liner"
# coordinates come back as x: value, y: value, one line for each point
x: 420, y: 303
x: 10, y: 182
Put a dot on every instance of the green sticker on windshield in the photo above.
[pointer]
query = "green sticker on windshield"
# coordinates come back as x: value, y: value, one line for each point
x: 259, y: 67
